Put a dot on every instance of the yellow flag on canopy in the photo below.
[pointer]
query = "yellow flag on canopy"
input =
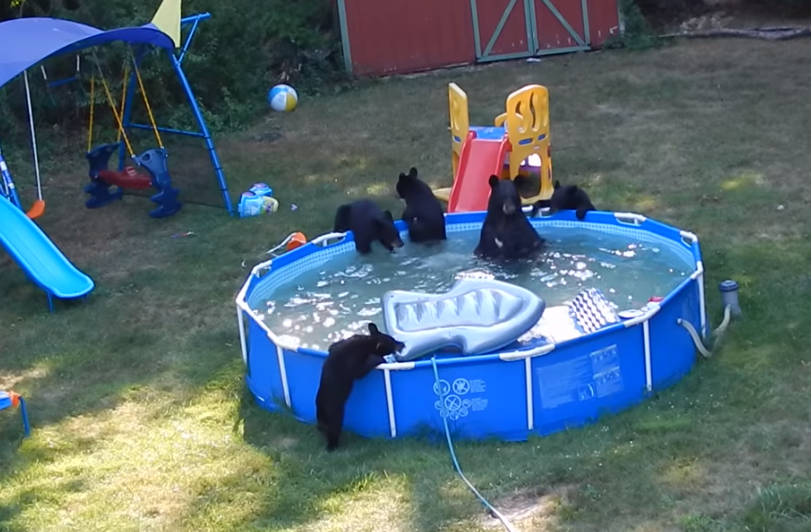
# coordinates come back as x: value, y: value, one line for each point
x: 167, y: 19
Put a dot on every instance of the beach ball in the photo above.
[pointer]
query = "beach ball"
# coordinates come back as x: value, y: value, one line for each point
x: 283, y: 98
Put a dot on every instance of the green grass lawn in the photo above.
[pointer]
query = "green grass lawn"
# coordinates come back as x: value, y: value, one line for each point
x: 141, y: 419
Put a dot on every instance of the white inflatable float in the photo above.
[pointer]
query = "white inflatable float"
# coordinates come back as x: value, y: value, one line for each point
x: 476, y: 315
x: 480, y: 315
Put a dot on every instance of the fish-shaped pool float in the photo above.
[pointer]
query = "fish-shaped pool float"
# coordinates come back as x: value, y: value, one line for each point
x: 476, y: 315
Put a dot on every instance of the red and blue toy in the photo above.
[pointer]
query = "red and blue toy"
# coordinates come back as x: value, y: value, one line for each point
x: 14, y: 400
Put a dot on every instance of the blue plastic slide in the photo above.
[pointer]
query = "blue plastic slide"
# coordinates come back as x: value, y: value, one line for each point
x: 39, y: 258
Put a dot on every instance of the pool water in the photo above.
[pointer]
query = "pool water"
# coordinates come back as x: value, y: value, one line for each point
x: 338, y: 299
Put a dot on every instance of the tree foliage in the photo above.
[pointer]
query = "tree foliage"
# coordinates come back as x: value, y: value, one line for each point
x: 246, y: 47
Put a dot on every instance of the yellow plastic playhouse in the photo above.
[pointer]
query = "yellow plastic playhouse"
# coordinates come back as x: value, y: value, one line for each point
x: 507, y: 149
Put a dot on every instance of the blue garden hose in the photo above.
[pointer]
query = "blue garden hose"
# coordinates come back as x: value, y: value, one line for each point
x: 456, y: 465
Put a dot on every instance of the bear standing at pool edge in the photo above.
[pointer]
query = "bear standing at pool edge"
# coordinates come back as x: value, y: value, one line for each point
x: 368, y: 223
x: 506, y: 233
x: 348, y: 360
x: 570, y: 198
x: 423, y: 213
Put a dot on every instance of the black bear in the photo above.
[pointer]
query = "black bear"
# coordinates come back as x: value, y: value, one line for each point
x: 570, y: 198
x: 423, y: 213
x: 507, y: 233
x: 348, y: 360
x: 368, y: 223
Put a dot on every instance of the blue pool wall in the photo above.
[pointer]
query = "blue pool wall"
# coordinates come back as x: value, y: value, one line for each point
x: 508, y: 395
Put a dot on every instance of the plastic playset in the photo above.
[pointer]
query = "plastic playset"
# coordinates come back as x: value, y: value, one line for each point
x: 518, y: 144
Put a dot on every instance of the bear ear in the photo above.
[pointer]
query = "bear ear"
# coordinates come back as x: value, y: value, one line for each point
x: 402, y: 176
x: 557, y: 184
x: 412, y: 173
x: 373, y: 329
x: 493, y: 181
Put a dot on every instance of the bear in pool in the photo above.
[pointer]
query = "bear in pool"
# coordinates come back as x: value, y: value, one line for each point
x: 348, y: 360
x: 423, y: 213
x: 506, y: 232
x: 570, y: 198
x: 368, y: 223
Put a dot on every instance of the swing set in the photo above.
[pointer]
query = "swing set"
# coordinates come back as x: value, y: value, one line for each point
x: 52, y: 37
x: 39, y: 38
x: 153, y: 160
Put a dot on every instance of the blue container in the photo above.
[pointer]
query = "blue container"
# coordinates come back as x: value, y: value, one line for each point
x: 252, y: 204
x: 510, y: 395
x: 261, y: 189
x: 246, y: 204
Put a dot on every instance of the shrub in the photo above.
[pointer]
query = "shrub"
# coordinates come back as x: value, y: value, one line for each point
x: 236, y: 56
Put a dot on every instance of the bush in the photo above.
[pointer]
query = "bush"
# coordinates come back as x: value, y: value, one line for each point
x: 659, y: 12
x: 237, y: 55
x: 637, y: 34
x: 784, y: 7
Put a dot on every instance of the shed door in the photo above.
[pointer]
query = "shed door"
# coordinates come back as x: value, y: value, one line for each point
x: 502, y: 29
x: 560, y: 25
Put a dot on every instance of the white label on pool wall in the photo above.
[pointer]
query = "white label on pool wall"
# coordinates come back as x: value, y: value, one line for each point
x: 455, y: 399
x: 589, y: 376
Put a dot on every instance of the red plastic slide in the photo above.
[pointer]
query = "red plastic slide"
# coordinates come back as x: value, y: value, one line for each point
x: 480, y: 158
x: 127, y: 178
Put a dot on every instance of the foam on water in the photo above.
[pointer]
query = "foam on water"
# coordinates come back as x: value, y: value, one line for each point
x: 335, y: 301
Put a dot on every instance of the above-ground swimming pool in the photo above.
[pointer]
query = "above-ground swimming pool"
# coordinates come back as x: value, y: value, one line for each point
x: 563, y: 373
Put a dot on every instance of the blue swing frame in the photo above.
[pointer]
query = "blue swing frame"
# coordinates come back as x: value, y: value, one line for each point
x: 53, y: 37
x: 203, y: 133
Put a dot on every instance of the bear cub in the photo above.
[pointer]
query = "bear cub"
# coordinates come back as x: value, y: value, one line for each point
x: 507, y: 233
x: 348, y: 360
x: 423, y: 213
x: 368, y: 223
x: 570, y: 198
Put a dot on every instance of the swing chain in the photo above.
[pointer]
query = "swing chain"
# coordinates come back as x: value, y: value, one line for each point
x: 119, y: 114
x: 113, y: 105
x: 146, y: 103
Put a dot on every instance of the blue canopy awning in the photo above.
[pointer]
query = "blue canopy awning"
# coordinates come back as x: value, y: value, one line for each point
x: 25, y: 42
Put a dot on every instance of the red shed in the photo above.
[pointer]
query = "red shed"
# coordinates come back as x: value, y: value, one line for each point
x: 399, y: 36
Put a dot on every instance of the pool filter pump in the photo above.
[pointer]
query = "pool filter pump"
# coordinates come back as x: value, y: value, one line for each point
x: 729, y: 296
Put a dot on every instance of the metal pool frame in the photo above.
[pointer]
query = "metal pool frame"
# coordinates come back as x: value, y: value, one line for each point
x: 508, y: 395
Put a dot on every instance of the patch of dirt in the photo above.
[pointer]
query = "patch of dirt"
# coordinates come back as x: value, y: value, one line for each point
x: 529, y: 504
x: 9, y: 380
x: 737, y: 14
